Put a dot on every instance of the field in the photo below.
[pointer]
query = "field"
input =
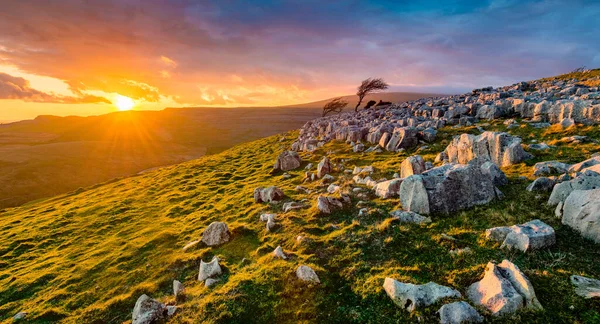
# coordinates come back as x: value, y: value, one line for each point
x: 86, y: 256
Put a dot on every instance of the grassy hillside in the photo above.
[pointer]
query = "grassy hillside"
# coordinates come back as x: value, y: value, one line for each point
x: 384, y: 96
x: 85, y: 257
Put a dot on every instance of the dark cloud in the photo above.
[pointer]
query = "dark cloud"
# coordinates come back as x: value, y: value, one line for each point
x: 18, y: 88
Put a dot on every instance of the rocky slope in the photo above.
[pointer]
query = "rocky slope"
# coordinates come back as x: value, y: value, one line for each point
x: 493, y: 221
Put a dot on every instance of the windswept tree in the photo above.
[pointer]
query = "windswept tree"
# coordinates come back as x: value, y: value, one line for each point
x: 334, y: 106
x: 369, y: 85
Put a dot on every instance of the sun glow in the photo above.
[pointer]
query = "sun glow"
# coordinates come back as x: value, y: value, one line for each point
x: 123, y: 103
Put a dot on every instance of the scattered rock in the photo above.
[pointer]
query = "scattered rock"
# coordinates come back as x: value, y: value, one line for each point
x: 171, y: 310
x: 148, y: 310
x: 412, y: 165
x: 210, y: 269
x: 410, y: 297
x: 539, y: 147
x: 216, y: 233
x: 287, y: 160
x: 532, y: 235
x: 209, y: 282
x: 333, y: 188
x: 292, y: 206
x: 586, y: 287
x: 19, y: 316
x: 190, y: 245
x: 541, y: 184
x: 268, y: 195
x: 493, y: 171
x: 307, y: 274
x: 410, y: 217
x: 581, y: 166
x: 459, y: 312
x: 550, y: 168
x: 323, y: 168
x: 581, y: 212
x: 327, y: 205
x: 388, y: 189
x: 587, y: 180
x: 178, y: 289
x: 500, y: 148
x: 278, y: 253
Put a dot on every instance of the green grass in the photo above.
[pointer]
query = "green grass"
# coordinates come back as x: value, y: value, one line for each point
x: 85, y: 257
x: 590, y: 78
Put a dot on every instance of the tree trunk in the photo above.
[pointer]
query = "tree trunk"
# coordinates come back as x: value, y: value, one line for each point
x: 358, y: 104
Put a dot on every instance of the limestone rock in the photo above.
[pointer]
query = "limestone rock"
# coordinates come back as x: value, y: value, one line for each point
x: 171, y: 310
x: 521, y: 284
x: 178, y: 289
x: 307, y: 274
x: 493, y: 171
x: 216, y: 233
x: 410, y: 217
x: 388, y: 189
x: 541, y: 184
x: 327, y: 205
x: 500, y: 148
x: 586, y: 287
x: 413, y: 195
x: 209, y: 282
x: 19, y: 316
x: 324, y: 167
x: 586, y: 181
x: 148, y: 310
x: 547, y: 168
x: 529, y: 236
x: 287, y: 160
x: 581, y: 212
x: 293, y: 205
x: 209, y: 269
x: 278, y: 253
x: 412, y: 165
x: 578, y: 167
x: 410, y: 297
x: 459, y: 312
x: 268, y: 195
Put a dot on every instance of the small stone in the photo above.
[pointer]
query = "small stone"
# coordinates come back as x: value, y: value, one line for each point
x: 586, y: 287
x: 307, y: 274
x: 210, y: 282
x: 190, y: 245
x: 410, y: 297
x: 459, y: 312
x: 171, y: 310
x: 278, y: 253
x: 178, y: 289
x: 216, y: 233
x: 148, y: 310
x: 19, y: 316
x: 410, y: 217
x: 210, y: 269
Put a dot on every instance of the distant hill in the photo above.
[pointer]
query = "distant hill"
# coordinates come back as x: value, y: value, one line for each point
x: 384, y: 96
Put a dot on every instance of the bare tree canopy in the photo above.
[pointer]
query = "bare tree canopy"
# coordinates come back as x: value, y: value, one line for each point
x: 369, y: 85
x: 336, y: 106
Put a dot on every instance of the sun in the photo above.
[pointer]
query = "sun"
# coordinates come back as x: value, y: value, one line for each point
x: 123, y: 103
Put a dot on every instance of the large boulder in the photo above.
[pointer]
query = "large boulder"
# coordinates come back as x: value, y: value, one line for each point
x: 587, y: 180
x: 586, y: 287
x: 547, y: 168
x: 410, y: 297
x: 581, y: 211
x: 209, y: 269
x: 500, y: 148
x: 532, y: 235
x: 216, y: 233
x: 388, y: 189
x: 324, y: 167
x: 268, y: 195
x: 148, y: 310
x: 459, y: 312
x: 287, y: 160
x: 412, y: 165
x: 447, y: 189
x: 504, y: 289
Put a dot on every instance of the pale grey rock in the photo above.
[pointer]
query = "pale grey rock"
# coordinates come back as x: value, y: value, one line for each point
x: 190, y: 245
x: 278, y: 253
x: 578, y: 167
x: 333, y: 188
x: 293, y: 205
x: 268, y: 195
x: 413, y: 195
x: 586, y: 287
x: 209, y: 269
x: 495, y: 293
x: 148, y: 310
x: 459, y: 312
x: 216, y: 233
x: 500, y: 148
x: 550, y: 168
x: 388, y: 189
x: 412, y: 165
x: 307, y: 274
x: 521, y: 284
x: 178, y: 288
x: 210, y: 282
x: 587, y: 180
x: 287, y: 160
x: 410, y: 217
x: 328, y: 178
x: 541, y: 184
x: 581, y: 212
x: 19, y: 316
x: 529, y: 236
x: 267, y: 217
x: 410, y: 297
x: 493, y: 171
x: 327, y: 205
x: 324, y: 167
x: 171, y: 310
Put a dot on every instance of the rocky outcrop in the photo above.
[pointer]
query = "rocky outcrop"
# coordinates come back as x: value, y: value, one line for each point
x: 287, y: 160
x: 410, y: 297
x: 504, y: 289
x: 586, y: 287
x: 148, y: 310
x: 216, y: 233
x: 459, y: 312
x: 268, y: 195
x: 532, y: 235
x: 581, y: 212
x: 447, y: 189
x: 493, y: 171
x: 500, y: 148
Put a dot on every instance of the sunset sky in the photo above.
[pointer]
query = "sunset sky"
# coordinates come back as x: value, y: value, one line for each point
x: 81, y: 57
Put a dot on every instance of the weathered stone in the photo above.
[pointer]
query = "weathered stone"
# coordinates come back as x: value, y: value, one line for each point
x: 278, y: 253
x: 323, y: 168
x: 388, y: 189
x: 493, y: 171
x: 410, y: 297
x: 578, y: 167
x: 588, y: 180
x: 541, y: 184
x: 178, y: 289
x: 148, y: 310
x: 216, y: 233
x: 500, y: 148
x: 210, y: 282
x: 268, y: 195
x: 412, y: 165
x: 209, y: 269
x: 307, y: 274
x: 327, y: 205
x: 293, y: 205
x: 459, y: 312
x: 409, y: 217
x: 581, y: 212
x: 586, y: 287
x: 532, y: 235
x: 19, y: 316
x: 521, y: 284
x: 413, y: 195
x: 550, y: 168
x: 171, y: 310
x: 287, y: 160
